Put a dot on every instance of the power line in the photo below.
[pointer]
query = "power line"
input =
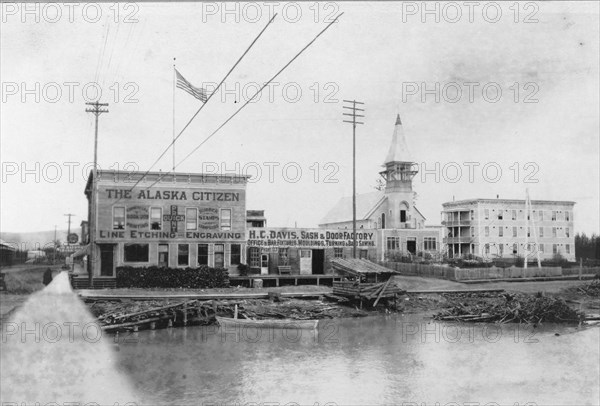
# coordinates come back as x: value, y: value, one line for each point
x: 204, y: 104
x: 249, y: 100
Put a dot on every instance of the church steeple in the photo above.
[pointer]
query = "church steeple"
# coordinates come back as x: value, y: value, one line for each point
x: 398, y: 151
x: 398, y: 163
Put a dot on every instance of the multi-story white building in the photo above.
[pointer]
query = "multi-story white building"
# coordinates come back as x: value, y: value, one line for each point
x: 502, y: 228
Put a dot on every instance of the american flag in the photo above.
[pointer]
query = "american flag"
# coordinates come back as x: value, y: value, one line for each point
x: 198, y: 92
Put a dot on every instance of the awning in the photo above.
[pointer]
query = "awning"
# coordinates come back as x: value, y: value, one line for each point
x: 85, y: 250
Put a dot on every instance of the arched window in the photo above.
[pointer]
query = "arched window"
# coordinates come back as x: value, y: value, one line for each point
x: 382, y: 220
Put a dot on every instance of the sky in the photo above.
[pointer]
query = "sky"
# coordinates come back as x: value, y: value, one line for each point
x: 494, y: 101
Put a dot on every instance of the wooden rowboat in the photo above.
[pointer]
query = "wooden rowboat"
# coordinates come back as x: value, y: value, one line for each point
x: 269, y: 323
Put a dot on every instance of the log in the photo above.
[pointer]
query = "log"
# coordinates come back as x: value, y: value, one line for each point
x: 130, y: 324
x: 382, y: 290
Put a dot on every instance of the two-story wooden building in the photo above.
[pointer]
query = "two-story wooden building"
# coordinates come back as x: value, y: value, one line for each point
x: 168, y: 220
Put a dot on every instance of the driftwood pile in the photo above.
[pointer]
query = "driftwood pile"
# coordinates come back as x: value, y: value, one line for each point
x: 156, y: 314
x: 153, y: 314
x: 507, y: 308
x: 590, y: 289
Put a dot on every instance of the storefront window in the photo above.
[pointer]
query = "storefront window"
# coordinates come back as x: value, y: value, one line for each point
x: 183, y: 254
x: 202, y: 254
x: 136, y: 252
x: 219, y: 255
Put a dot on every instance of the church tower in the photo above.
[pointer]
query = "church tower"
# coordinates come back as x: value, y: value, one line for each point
x: 399, y: 172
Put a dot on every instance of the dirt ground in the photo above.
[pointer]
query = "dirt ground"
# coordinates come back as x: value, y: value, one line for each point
x: 412, y: 303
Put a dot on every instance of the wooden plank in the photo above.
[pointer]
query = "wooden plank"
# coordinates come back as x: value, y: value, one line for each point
x: 382, y: 290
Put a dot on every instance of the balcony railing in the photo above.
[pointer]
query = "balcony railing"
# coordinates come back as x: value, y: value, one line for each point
x: 458, y: 240
x: 456, y: 223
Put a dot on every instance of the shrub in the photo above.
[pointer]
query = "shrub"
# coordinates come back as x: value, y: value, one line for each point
x: 243, y: 269
x: 161, y: 277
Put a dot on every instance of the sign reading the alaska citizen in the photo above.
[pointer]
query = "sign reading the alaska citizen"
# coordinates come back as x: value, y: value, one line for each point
x: 166, y: 208
x: 307, y: 238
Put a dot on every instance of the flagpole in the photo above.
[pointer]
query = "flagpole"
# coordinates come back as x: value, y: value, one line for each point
x: 174, y: 84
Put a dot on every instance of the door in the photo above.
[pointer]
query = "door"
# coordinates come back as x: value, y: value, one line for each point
x: 264, y: 264
x: 411, y: 246
x: 318, y: 261
x: 163, y: 255
x: 219, y: 255
x: 305, y: 262
x: 106, y: 260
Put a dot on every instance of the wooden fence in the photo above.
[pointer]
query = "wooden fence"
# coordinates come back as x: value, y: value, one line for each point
x: 456, y: 274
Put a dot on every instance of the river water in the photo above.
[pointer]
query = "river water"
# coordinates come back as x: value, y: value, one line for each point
x: 367, y: 361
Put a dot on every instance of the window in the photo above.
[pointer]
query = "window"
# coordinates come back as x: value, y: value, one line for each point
x: 487, y: 231
x: 472, y: 215
x: 515, y: 231
x: 226, y: 219
x: 515, y: 248
x: 163, y: 255
x: 472, y: 231
x: 553, y: 215
x: 383, y: 220
x: 393, y: 243
x: 541, y: 248
x: 183, y: 254
x: 514, y: 214
x: 236, y: 254
x: 486, y: 214
x: 255, y: 257
x: 202, y: 254
x: 403, y: 216
x: 338, y: 252
x: 219, y: 255
x: 191, y: 219
x: 567, y: 232
x: 284, y: 256
x: 568, y: 248
x: 500, y: 214
x: 501, y: 249
x: 429, y: 243
x: 155, y: 218
x: 487, y: 248
x: 528, y: 231
x: 553, y: 231
x: 555, y: 248
x: 541, y: 215
x: 500, y: 232
x: 118, y: 218
x: 541, y: 231
x: 567, y: 216
x: 135, y: 252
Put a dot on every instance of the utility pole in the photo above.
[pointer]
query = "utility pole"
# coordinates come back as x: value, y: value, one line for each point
x: 69, y: 215
x: 354, y: 115
x: 96, y: 109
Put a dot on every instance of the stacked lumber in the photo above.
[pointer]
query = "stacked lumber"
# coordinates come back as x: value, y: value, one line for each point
x: 356, y: 267
x: 368, y: 291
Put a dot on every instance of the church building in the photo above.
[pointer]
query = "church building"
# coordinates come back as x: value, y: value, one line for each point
x: 391, y: 211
